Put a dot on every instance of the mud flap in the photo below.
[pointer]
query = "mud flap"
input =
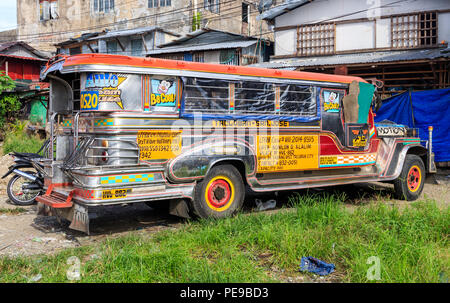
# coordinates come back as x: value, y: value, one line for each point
x: 179, y: 208
x: 80, y: 219
x: 431, y: 164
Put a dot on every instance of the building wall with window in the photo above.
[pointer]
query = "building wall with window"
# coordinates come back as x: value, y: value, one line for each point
x: 332, y: 27
x: 402, y: 43
x: 44, y: 23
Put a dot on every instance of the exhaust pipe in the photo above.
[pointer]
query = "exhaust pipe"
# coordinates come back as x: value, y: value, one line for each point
x: 25, y: 175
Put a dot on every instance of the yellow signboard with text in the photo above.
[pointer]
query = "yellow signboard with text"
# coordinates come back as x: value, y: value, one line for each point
x: 159, y: 144
x: 287, y: 152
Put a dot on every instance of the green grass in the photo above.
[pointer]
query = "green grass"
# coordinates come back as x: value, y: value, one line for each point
x: 21, y: 142
x: 412, y: 245
x: 12, y: 211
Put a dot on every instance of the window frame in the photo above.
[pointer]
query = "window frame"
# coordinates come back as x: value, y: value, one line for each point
x: 246, y: 15
x: 116, y: 48
x: 75, y: 50
x: 51, y: 9
x: 313, y: 95
x: 414, y: 35
x: 307, y: 47
x: 141, y: 47
x: 99, y: 7
x: 157, y: 3
x: 212, y: 6
x: 232, y: 114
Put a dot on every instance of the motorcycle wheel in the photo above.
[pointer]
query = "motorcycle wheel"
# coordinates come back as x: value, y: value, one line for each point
x: 16, y: 193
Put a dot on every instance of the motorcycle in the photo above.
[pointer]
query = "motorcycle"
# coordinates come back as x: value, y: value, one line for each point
x: 25, y: 185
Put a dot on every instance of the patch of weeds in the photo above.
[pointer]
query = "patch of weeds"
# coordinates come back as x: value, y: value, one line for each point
x: 411, y: 246
x: 12, y: 211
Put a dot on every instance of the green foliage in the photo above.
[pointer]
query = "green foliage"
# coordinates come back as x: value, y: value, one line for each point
x: 6, y: 83
x: 12, y: 211
x: 9, y: 102
x: 17, y: 140
x: 18, y: 126
x: 412, y: 245
x: 196, y: 21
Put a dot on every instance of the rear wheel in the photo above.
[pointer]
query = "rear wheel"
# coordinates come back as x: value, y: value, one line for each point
x: 220, y: 194
x: 18, y: 193
x: 409, y: 185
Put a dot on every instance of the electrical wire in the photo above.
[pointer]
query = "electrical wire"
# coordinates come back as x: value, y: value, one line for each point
x: 74, y: 31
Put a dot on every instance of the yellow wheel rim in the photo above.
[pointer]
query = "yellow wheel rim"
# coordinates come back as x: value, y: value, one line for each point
x: 414, y: 178
x: 219, y: 193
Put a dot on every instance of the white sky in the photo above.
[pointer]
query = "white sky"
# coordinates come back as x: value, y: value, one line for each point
x: 8, y: 14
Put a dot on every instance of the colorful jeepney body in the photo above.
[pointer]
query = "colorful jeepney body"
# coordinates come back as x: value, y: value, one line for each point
x: 129, y: 130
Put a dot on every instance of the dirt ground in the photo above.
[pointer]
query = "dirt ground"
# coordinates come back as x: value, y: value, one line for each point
x: 29, y: 234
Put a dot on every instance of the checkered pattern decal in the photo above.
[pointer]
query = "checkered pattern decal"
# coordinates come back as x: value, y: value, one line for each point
x: 347, y: 160
x: 359, y: 159
x: 67, y: 123
x: 104, y: 122
x: 126, y: 178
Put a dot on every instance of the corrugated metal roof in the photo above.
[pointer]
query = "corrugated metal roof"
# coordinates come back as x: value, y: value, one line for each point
x: 200, y: 47
x: 131, y: 32
x: 373, y: 57
x: 81, y: 38
x: 208, y: 35
x: 7, y: 45
x: 281, y: 9
x: 22, y: 57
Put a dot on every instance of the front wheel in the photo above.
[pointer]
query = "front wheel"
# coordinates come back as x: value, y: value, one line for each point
x: 220, y: 194
x: 409, y: 185
x: 18, y: 192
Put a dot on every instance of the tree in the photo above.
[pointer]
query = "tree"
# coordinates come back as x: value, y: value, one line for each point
x: 6, y: 83
x: 9, y: 102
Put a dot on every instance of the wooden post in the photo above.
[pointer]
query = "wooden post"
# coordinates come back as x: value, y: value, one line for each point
x: 143, y: 42
x: 120, y: 44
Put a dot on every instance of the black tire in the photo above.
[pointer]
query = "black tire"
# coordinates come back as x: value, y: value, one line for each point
x: 220, y: 194
x: 9, y: 190
x: 409, y: 185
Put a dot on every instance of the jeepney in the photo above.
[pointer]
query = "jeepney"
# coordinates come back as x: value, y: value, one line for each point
x: 195, y: 135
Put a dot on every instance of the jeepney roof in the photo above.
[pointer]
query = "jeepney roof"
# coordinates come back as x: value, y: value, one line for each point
x: 127, y: 64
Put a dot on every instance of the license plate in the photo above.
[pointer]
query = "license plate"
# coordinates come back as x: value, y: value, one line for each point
x: 115, y: 193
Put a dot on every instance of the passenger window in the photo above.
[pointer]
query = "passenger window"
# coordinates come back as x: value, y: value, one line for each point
x: 254, y: 97
x: 298, y: 100
x: 206, y: 95
x: 160, y: 94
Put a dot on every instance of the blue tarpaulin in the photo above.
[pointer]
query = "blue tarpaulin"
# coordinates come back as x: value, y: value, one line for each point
x: 420, y: 110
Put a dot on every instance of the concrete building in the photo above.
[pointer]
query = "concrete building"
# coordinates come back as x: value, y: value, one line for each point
x: 214, y: 46
x: 8, y: 35
x: 130, y: 42
x: 44, y: 23
x: 401, y: 42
